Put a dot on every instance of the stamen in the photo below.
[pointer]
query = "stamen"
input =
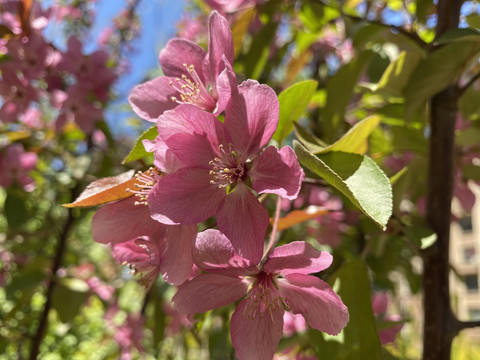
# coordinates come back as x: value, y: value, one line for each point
x: 264, y: 297
x: 227, y: 169
x: 192, y: 90
x: 145, y: 181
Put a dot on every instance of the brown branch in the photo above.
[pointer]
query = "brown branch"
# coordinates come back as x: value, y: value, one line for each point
x: 440, y: 325
x: 43, y: 322
x: 409, y: 34
x: 461, y: 325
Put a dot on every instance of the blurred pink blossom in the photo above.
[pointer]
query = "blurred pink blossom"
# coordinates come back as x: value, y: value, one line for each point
x: 15, y: 164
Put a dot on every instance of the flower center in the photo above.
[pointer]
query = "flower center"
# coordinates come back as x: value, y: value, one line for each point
x: 192, y: 90
x: 144, y: 182
x: 228, y: 168
x: 264, y: 297
x: 145, y: 268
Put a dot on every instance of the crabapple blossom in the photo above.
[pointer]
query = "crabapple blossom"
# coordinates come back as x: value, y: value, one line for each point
x: 147, y: 246
x: 220, y: 162
x: 379, y: 306
x: 192, y: 76
x: 281, y: 282
x: 15, y: 164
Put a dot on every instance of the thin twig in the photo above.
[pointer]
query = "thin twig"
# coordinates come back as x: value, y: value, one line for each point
x: 462, y: 89
x: 43, y: 323
x: 271, y: 244
x: 409, y: 34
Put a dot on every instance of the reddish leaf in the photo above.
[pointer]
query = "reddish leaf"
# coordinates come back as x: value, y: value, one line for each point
x: 25, y: 7
x: 298, y: 216
x: 106, y: 190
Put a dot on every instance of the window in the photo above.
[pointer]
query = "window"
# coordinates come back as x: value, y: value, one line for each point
x: 471, y: 282
x: 469, y: 255
x: 466, y: 223
x: 474, y: 313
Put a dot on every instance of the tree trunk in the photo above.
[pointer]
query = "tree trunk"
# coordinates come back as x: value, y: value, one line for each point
x: 439, y: 322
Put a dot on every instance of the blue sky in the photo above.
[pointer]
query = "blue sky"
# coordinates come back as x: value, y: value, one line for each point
x: 158, y: 20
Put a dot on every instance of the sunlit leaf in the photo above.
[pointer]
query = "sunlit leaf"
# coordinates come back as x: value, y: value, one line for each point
x: 396, y: 76
x: 240, y: 28
x: 293, y: 102
x: 311, y: 142
x: 105, y: 190
x: 298, y: 216
x: 356, y: 176
x: 138, y: 151
x: 433, y: 74
x: 355, y: 140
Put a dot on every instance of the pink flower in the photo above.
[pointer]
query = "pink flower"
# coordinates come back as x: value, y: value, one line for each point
x: 76, y: 106
x: 387, y: 333
x: 103, y: 290
x: 220, y: 162
x: 257, y: 323
x: 15, y: 165
x: 17, y: 93
x: 293, y: 323
x: 228, y: 6
x: 192, y: 75
x: 129, y: 334
x: 148, y: 246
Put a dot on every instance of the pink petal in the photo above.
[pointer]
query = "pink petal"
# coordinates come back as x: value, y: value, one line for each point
x: 244, y: 221
x: 130, y: 252
x: 123, y: 221
x: 220, y: 44
x: 188, y: 128
x: 152, y: 98
x: 251, y: 117
x: 207, y: 292
x: 388, y: 335
x: 165, y: 160
x: 185, y: 197
x: 213, y: 251
x: 176, y: 261
x: 181, y: 52
x: 316, y: 301
x: 226, y: 83
x: 256, y: 338
x: 277, y: 172
x: 379, y: 303
x: 298, y: 257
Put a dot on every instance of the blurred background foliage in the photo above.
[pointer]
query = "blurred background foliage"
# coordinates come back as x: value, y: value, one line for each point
x: 365, y: 57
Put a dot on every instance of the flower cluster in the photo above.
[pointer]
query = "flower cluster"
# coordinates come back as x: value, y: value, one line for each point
x: 212, y: 161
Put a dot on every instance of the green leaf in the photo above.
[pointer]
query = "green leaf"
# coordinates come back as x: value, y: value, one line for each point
x: 469, y: 105
x: 473, y: 20
x: 395, y: 77
x: 339, y: 92
x: 15, y: 208
x: 355, y: 140
x: 468, y: 137
x: 257, y: 57
x: 138, y: 151
x: 68, y: 298
x: 471, y: 172
x: 311, y: 142
x: 440, y: 69
x: 356, y: 176
x: 293, y: 102
x: 458, y: 34
x: 361, y: 334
